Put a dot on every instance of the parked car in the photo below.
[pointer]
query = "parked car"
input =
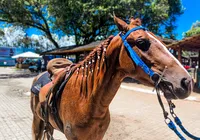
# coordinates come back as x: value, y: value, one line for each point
x: 33, y: 68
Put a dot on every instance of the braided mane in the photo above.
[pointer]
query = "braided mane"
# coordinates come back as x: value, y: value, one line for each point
x: 96, y: 58
x: 87, y: 73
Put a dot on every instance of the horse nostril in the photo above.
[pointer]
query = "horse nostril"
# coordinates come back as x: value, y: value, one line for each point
x: 185, y: 83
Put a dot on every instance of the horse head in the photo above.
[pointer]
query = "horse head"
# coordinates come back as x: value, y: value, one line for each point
x: 84, y: 92
x: 176, y: 82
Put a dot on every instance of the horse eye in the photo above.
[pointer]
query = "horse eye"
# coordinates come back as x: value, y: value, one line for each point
x: 142, y: 44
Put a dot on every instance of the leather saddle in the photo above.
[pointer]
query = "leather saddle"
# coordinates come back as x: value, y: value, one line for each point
x: 56, y: 72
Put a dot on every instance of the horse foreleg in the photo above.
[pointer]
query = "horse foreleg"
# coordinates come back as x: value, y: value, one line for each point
x: 50, y: 133
x: 37, y: 128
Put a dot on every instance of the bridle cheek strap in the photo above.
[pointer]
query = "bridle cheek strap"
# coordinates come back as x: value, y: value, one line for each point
x: 134, y: 56
x: 156, y: 78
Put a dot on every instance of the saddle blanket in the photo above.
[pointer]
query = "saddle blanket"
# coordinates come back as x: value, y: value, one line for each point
x: 42, y: 81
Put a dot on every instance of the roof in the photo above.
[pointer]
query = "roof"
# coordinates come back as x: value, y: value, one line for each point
x: 189, y: 43
x: 27, y: 55
x: 66, y: 50
x: 85, y: 48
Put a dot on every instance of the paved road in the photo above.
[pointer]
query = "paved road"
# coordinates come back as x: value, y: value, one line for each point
x: 134, y: 116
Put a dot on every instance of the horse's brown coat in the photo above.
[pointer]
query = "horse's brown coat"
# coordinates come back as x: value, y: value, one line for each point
x: 84, y: 104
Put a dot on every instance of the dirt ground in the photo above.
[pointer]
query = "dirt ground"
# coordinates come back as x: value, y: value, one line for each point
x: 134, y: 115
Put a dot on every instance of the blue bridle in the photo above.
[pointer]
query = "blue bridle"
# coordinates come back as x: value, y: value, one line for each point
x: 134, y: 56
x: 138, y: 61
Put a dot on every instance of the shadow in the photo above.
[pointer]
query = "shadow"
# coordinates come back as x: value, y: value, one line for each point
x: 131, y: 80
x: 8, y: 76
x: 196, y: 88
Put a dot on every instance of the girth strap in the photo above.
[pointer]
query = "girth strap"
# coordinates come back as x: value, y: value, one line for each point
x: 54, y: 101
x: 57, y: 92
x: 53, y: 98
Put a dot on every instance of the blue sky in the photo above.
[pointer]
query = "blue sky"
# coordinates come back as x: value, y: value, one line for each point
x: 31, y: 31
x: 191, y: 15
x: 184, y: 22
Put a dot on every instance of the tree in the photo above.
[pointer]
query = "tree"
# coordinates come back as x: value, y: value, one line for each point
x: 1, y: 32
x: 41, y: 43
x: 11, y: 36
x: 195, y: 29
x: 89, y: 20
x: 15, y: 36
x: 28, y: 13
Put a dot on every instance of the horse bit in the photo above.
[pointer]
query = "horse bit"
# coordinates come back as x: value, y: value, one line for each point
x: 157, y: 78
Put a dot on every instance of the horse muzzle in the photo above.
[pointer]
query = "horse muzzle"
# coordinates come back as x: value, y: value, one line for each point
x: 172, y: 91
x: 185, y: 89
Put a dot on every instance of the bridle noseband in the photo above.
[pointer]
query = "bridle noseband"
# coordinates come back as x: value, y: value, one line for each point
x: 157, y: 79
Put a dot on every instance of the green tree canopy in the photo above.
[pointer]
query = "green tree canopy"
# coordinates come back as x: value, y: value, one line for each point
x: 90, y: 20
x: 1, y: 32
x: 195, y: 29
x: 28, y: 13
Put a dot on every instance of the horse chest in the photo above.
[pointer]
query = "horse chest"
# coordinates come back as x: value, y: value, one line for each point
x: 94, y: 129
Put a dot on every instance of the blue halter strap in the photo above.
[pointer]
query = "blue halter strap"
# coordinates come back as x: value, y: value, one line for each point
x: 138, y: 61
x: 134, y: 56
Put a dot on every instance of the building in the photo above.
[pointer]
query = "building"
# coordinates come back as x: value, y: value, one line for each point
x: 6, y: 54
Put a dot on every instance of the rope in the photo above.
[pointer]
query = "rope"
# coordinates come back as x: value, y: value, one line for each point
x: 168, y: 121
x: 173, y: 127
x: 179, y: 123
x: 165, y: 113
x: 138, y: 61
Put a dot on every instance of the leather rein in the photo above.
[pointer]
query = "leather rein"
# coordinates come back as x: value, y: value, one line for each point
x: 157, y: 79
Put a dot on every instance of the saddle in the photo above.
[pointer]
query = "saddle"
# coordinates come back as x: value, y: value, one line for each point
x: 57, y: 75
x: 56, y: 69
x: 56, y: 65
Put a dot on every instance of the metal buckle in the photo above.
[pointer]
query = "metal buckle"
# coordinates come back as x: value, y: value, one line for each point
x: 167, y: 120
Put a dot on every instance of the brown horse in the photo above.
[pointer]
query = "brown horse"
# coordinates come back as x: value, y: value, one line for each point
x: 84, y: 103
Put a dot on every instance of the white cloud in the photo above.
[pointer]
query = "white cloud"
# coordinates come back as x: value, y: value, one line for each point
x: 14, y: 35
x: 47, y: 45
x: 66, y: 41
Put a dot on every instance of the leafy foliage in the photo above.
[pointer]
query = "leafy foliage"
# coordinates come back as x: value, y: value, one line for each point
x: 12, y: 36
x: 28, y: 13
x: 195, y: 29
x: 15, y: 36
x: 90, y: 20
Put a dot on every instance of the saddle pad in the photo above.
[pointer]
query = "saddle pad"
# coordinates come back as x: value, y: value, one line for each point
x: 42, y: 81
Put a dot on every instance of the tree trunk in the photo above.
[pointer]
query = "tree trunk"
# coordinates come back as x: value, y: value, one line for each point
x: 49, y: 36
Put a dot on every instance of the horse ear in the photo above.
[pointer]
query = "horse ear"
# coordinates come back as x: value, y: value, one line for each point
x: 122, y: 25
x: 138, y: 21
x: 131, y: 19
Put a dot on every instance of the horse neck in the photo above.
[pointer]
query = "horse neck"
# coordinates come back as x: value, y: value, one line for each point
x: 98, y: 76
